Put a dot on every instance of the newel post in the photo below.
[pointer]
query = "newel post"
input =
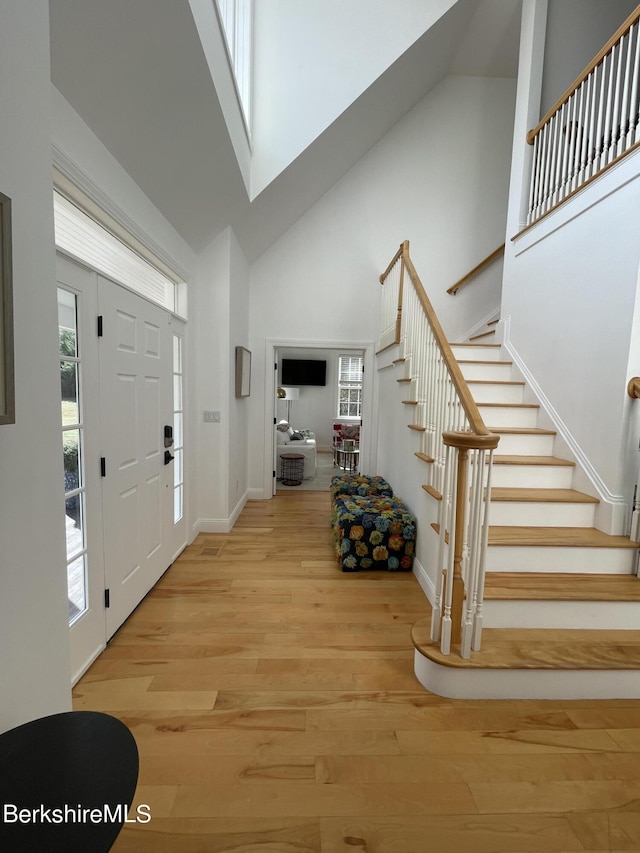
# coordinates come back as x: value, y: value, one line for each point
x: 463, y: 442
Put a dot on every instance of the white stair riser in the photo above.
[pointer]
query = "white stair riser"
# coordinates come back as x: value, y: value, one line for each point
x: 526, y: 558
x: 469, y: 353
x: 509, y: 416
x: 532, y: 476
x: 498, y: 372
x: 526, y: 445
x: 540, y: 514
x: 594, y: 615
x: 496, y: 393
x: 459, y: 683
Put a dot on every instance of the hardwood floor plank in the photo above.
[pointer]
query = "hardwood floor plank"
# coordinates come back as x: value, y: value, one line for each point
x: 508, y: 742
x: 275, y: 708
x: 302, y: 799
x: 551, y: 796
x: 462, y: 833
x: 236, y: 835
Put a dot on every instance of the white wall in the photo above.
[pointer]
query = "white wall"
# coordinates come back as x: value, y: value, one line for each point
x: 94, y: 163
x: 238, y: 407
x: 219, y: 323
x: 440, y: 179
x: 210, y: 385
x: 576, y: 31
x: 569, y: 293
x: 313, y: 59
x: 34, y: 637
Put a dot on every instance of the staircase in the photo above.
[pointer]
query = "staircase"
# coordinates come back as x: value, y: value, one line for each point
x: 561, y: 597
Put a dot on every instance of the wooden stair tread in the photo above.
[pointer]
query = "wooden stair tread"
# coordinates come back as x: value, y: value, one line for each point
x: 479, y: 361
x: 563, y: 537
x: 483, y: 335
x: 404, y: 379
x: 433, y: 492
x: 398, y: 361
x: 469, y: 344
x: 507, y: 459
x: 508, y: 405
x: 417, y: 427
x: 424, y: 457
x: 493, y: 322
x: 542, y: 586
x: 542, y: 495
x: 495, y: 381
x: 409, y: 402
x: 539, y: 648
x: 521, y: 430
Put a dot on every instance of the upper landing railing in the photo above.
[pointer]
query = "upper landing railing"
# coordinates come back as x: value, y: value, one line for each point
x: 454, y: 442
x: 595, y: 123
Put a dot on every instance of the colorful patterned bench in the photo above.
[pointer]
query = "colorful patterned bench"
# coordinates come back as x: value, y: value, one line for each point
x: 359, y: 484
x: 373, y: 532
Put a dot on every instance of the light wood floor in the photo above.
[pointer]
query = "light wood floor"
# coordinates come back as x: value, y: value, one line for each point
x: 275, y: 708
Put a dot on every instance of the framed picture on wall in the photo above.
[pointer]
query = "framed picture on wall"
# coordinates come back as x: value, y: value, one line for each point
x: 243, y: 372
x: 7, y: 391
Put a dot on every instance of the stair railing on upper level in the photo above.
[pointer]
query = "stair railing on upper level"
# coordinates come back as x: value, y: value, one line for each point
x: 593, y: 124
x: 454, y: 441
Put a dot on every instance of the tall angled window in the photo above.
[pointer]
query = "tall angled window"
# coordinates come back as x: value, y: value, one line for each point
x: 72, y: 449
x: 350, y: 386
x: 236, y: 17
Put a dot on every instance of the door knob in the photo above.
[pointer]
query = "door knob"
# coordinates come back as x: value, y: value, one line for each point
x: 167, y: 457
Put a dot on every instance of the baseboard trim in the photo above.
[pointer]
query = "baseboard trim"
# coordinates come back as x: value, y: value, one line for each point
x: 426, y: 584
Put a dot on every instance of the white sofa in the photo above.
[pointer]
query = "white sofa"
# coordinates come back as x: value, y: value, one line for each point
x: 305, y: 446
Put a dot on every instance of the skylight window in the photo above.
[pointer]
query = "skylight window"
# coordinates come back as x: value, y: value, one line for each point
x: 236, y: 17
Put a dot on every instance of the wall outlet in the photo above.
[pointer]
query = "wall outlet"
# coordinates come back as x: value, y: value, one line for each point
x: 211, y: 417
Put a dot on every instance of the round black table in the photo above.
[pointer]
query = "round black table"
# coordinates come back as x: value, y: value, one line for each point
x: 66, y: 783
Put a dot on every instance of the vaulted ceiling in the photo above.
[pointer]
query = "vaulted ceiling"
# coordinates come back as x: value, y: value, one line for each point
x: 136, y: 74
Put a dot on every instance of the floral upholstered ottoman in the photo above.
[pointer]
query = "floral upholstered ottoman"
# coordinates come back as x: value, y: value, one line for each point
x: 373, y: 532
x: 359, y: 484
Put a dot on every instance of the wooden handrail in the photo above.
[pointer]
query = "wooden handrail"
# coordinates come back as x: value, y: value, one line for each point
x: 597, y: 59
x: 485, y: 263
x: 633, y: 388
x: 394, y: 260
x: 468, y: 403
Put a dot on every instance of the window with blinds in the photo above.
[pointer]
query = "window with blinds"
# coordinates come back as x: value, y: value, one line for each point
x: 85, y: 239
x: 350, y: 386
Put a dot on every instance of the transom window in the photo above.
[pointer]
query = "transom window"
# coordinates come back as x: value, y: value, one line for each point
x: 350, y: 386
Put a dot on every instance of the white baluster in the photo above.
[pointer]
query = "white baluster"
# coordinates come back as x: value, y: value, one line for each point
x: 478, y: 615
x: 593, y: 140
x: 585, y: 142
x: 634, y: 122
x: 624, y: 109
x: 475, y: 530
x: 600, y: 141
x: 445, y: 642
x: 616, y: 119
x: 535, y: 170
x: 443, y: 521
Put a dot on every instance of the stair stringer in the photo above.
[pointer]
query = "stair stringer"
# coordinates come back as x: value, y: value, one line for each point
x: 613, y: 510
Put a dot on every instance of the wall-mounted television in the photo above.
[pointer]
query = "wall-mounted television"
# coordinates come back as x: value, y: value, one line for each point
x: 297, y: 371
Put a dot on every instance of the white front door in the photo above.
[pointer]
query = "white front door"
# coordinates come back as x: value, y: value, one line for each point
x: 136, y: 378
